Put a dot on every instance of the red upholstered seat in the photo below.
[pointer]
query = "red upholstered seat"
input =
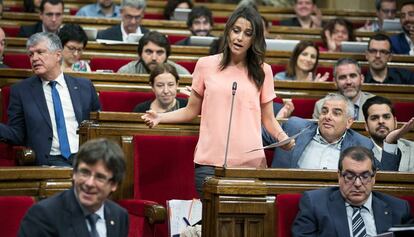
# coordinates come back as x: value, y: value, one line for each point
x: 17, y: 61
x: 404, y: 111
x: 99, y: 63
x: 287, y: 206
x: 220, y: 19
x: 189, y: 65
x: 276, y: 68
x: 322, y: 70
x: 303, y: 107
x: 174, y: 38
x: 123, y: 101
x: 12, y: 211
x: 154, y: 16
x: 11, y: 31
x: 164, y: 169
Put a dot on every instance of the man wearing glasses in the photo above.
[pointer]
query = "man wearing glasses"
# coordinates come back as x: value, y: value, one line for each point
x: 386, y: 9
x: 353, y: 209
x: 378, y: 55
x: 51, y: 16
x: 132, y: 13
x: 84, y: 210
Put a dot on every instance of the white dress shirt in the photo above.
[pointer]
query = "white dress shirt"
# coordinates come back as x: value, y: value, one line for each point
x: 367, y: 215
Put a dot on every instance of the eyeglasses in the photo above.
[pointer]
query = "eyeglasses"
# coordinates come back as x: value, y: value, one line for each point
x: 382, y: 52
x: 351, y: 177
x: 130, y: 17
x: 86, y: 174
x: 73, y: 49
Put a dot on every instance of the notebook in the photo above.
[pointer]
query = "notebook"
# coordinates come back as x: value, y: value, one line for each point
x: 91, y: 33
x: 134, y: 37
x: 181, y: 14
x: 202, y: 40
x: 182, y: 213
x: 354, y: 47
x: 281, y: 44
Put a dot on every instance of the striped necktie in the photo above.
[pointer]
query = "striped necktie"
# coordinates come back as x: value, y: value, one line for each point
x: 356, y: 112
x: 358, y: 225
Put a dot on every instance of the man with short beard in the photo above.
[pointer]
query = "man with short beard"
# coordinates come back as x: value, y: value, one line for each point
x: 380, y: 120
x: 385, y: 10
x: 103, y: 8
x: 378, y: 55
x: 403, y: 43
x: 199, y: 22
x: 348, y: 81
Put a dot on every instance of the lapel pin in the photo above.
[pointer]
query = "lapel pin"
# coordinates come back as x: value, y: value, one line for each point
x: 386, y: 213
x: 112, y: 222
x: 75, y: 87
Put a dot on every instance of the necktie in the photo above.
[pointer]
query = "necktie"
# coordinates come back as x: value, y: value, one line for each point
x: 356, y: 112
x: 60, y: 122
x: 358, y: 225
x: 92, y: 219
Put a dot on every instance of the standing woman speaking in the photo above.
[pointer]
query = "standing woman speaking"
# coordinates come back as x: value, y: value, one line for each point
x: 241, y: 61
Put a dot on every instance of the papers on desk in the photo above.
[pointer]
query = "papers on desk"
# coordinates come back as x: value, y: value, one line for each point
x: 182, y: 213
x: 115, y: 42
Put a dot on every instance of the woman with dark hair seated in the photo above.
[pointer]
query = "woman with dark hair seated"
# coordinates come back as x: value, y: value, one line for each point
x: 164, y: 82
x: 302, y: 64
x: 336, y: 31
x: 173, y: 4
x: 74, y: 40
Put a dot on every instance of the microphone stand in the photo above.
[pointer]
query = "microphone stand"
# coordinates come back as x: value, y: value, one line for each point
x: 234, y: 88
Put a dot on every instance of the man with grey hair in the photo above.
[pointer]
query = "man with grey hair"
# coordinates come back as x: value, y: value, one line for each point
x: 132, y: 13
x: 385, y: 9
x: 46, y: 109
x: 103, y: 8
x: 321, y: 143
x: 348, y: 80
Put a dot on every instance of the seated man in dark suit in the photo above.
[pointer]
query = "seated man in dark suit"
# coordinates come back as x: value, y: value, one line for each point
x: 403, y: 43
x: 84, y: 210
x: 319, y: 146
x: 304, y: 18
x: 2, y: 47
x: 132, y: 13
x: 46, y: 109
x: 353, y: 209
x: 51, y: 17
x: 199, y: 22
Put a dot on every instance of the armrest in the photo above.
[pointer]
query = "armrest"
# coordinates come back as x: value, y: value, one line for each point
x: 24, y: 155
x: 151, y: 210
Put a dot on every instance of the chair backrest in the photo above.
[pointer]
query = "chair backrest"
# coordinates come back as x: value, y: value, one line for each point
x: 287, y: 206
x: 303, y: 107
x: 123, y: 101
x: 114, y: 64
x: 174, y: 38
x: 17, y: 61
x: 11, y: 31
x: 12, y: 211
x: 404, y: 111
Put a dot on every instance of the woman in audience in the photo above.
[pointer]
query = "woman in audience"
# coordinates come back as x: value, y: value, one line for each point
x: 302, y: 64
x: 238, y: 75
x: 164, y: 83
x: 336, y: 31
x: 173, y: 4
x: 74, y: 40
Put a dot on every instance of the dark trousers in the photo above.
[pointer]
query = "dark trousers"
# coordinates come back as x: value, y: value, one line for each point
x: 59, y: 160
x: 201, y: 173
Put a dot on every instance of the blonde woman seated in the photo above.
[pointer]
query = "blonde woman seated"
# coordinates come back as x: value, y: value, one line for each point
x: 302, y: 64
x: 74, y: 41
x: 164, y: 82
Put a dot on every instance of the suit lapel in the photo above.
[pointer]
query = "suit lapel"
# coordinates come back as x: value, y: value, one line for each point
x: 348, y: 141
x: 75, y: 216
x: 38, y: 96
x: 74, y: 92
x: 338, y: 214
x: 382, y: 214
x: 305, y: 138
x: 111, y: 222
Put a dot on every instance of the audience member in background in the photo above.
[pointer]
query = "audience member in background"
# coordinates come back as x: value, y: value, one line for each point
x: 199, y: 22
x: 380, y: 120
x: 353, y: 209
x: 31, y: 5
x: 73, y: 40
x: 164, y: 83
x: 2, y: 47
x: 348, y: 80
x: 46, y: 109
x: 334, y: 32
x: 103, y: 8
x: 266, y: 27
x: 1, y: 8
x: 304, y: 10
x: 241, y: 62
x: 173, y: 4
x: 132, y: 13
x: 378, y: 55
x: 403, y: 43
x: 153, y: 49
x: 386, y: 9
x: 85, y: 209
x: 321, y: 142
x: 302, y: 64
x: 51, y: 17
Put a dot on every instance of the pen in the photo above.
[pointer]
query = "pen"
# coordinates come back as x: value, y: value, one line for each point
x: 186, y: 221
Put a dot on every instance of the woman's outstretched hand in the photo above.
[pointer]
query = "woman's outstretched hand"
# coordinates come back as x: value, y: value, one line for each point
x: 151, y: 118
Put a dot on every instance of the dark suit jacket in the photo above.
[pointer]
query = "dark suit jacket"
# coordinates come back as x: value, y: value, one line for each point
x: 115, y: 33
x: 289, y: 159
x: 62, y: 216
x: 322, y: 213
x: 29, y: 120
x: 399, y: 44
x: 27, y: 31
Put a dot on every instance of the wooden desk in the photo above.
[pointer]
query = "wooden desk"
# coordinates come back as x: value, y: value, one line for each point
x: 241, y: 202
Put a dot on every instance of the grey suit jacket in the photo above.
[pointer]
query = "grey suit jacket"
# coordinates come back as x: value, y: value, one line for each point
x: 406, y: 163
x: 322, y: 213
x: 61, y: 215
x: 364, y: 97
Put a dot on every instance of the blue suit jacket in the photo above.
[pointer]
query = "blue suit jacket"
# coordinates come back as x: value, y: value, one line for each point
x: 289, y: 159
x: 322, y: 213
x: 61, y: 215
x: 115, y: 33
x: 399, y: 44
x: 29, y: 120
x: 27, y: 31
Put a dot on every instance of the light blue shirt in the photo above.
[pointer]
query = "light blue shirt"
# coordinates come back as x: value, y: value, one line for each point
x: 283, y: 76
x: 94, y: 10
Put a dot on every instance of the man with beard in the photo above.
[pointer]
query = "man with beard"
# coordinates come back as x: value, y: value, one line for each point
x: 199, y: 22
x: 403, y: 43
x: 320, y: 144
x: 348, y: 81
x: 386, y: 9
x: 378, y: 55
x: 304, y: 18
x: 132, y: 13
x: 380, y: 120
x: 153, y: 49
x: 103, y: 8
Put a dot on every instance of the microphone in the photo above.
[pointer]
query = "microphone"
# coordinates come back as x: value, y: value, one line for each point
x: 233, y: 92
